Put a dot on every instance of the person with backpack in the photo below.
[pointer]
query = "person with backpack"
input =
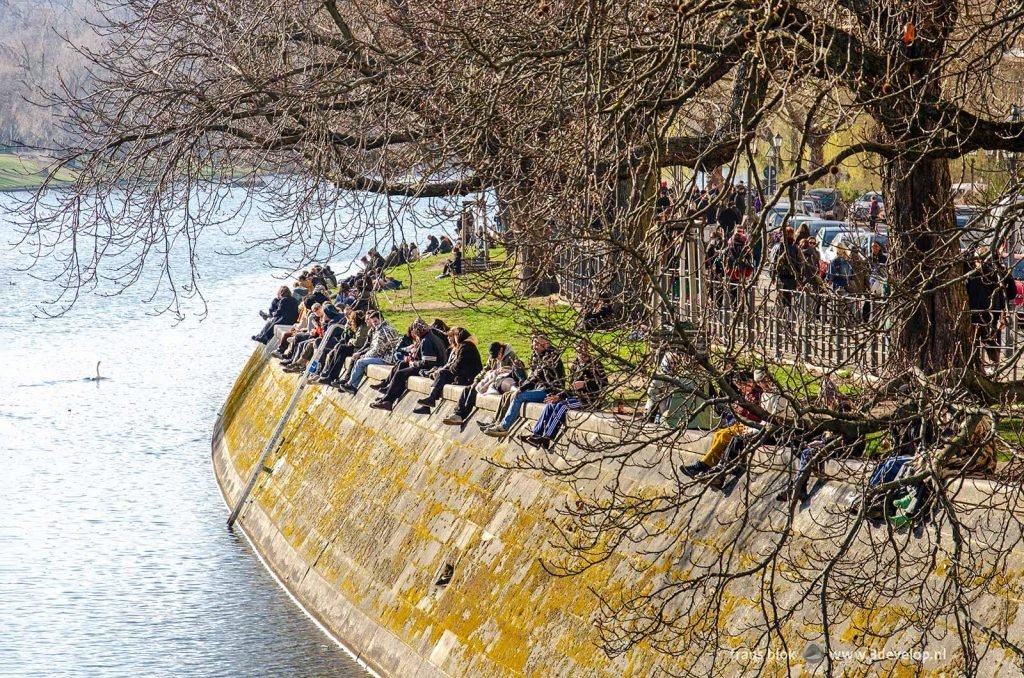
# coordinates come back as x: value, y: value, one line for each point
x: 739, y: 264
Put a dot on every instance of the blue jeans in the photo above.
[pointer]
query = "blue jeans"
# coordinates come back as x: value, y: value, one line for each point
x: 522, y: 397
x: 359, y: 369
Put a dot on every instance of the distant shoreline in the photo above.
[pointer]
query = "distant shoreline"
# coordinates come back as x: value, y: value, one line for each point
x: 27, y: 172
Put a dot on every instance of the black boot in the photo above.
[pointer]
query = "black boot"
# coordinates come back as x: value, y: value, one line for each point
x: 694, y: 470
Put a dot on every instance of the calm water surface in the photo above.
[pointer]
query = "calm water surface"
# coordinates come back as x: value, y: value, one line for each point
x: 114, y: 557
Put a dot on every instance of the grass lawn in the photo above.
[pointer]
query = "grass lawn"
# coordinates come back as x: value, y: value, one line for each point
x: 458, y: 303
x: 20, y: 172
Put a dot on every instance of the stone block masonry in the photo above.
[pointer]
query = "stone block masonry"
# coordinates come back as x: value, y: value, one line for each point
x: 364, y: 512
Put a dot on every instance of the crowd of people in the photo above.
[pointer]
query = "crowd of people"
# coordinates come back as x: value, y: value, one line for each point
x: 335, y: 339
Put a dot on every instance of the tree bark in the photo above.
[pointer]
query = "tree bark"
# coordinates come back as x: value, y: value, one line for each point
x: 935, y: 334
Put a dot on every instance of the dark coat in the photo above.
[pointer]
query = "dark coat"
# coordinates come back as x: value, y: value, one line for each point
x: 287, y: 311
x: 547, y: 372
x: 594, y: 381
x: 789, y: 262
x: 433, y: 352
x: 467, y: 363
x: 983, y: 287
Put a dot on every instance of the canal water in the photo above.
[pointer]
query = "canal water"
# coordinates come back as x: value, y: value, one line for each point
x: 114, y: 556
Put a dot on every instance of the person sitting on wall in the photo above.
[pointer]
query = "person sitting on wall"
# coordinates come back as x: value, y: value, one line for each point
x: 587, y: 383
x: 317, y: 296
x: 430, y: 351
x: 452, y: 267
x: 344, y: 296
x: 928, y: 448
x: 728, y: 442
x: 462, y: 368
x: 353, y: 338
x: 382, y: 343
x: 316, y: 276
x: 672, y: 396
x: 433, y: 246
x: 305, y: 282
x: 546, y: 377
x: 601, y: 314
x: 304, y: 351
x: 284, y: 310
x: 501, y: 363
x: 330, y: 278
x: 298, y: 332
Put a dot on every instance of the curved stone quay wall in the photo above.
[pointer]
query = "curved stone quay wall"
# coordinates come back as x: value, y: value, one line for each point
x: 362, y: 511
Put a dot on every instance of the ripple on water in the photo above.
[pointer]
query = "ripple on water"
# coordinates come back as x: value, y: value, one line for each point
x: 114, y: 559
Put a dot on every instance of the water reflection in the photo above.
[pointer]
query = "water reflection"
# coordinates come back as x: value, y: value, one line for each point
x: 114, y: 559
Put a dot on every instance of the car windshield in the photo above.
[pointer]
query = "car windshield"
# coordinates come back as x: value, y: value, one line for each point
x: 828, y: 236
x: 823, y: 196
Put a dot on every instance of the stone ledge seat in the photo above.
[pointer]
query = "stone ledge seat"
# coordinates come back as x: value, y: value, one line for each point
x: 601, y: 423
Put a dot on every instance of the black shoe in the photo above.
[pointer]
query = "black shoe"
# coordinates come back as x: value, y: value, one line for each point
x: 422, y: 409
x: 545, y: 442
x: 425, y: 401
x: 531, y: 439
x: 263, y: 314
x: 347, y: 388
x: 278, y: 354
x: 695, y: 470
x: 380, y: 388
x: 381, y: 405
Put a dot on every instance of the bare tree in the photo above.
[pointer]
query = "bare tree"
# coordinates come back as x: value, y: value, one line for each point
x: 565, y: 113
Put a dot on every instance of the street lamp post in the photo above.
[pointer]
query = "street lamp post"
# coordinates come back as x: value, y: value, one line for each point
x: 1011, y: 157
x: 751, y: 173
x: 777, y: 145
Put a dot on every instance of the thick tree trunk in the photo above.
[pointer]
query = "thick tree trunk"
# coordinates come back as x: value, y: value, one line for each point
x: 816, y: 141
x: 933, y: 329
x: 536, y: 265
x: 934, y: 334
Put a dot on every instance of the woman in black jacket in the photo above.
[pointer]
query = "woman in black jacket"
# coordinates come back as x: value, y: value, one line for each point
x: 285, y: 312
x: 430, y: 353
x: 463, y: 365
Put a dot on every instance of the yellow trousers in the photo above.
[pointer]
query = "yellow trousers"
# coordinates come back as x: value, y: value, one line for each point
x: 720, y: 442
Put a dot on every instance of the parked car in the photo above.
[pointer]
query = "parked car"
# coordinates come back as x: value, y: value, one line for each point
x: 780, y: 209
x: 970, y: 219
x: 1017, y: 271
x: 814, y: 224
x: 860, y: 207
x: 830, y: 203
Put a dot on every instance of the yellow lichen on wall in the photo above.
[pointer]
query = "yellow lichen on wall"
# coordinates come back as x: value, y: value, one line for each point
x: 377, y: 506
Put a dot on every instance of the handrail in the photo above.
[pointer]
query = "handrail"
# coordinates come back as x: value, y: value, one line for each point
x: 272, y: 442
